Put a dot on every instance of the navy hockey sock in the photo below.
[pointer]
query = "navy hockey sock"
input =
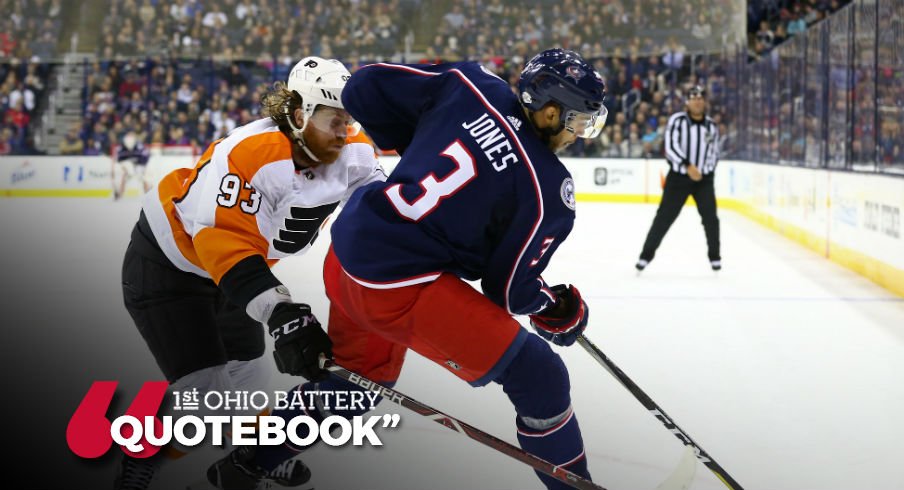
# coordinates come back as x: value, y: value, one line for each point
x: 560, y: 444
x: 537, y: 383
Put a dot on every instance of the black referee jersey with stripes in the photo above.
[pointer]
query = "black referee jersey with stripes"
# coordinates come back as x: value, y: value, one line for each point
x: 691, y: 142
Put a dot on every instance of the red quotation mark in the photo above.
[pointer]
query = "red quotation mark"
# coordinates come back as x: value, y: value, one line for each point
x: 88, y: 433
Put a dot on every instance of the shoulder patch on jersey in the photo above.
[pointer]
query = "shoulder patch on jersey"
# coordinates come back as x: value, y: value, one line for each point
x: 567, y: 192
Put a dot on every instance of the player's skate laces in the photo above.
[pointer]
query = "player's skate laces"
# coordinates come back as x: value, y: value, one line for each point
x: 291, y: 473
x: 237, y: 471
x: 134, y: 474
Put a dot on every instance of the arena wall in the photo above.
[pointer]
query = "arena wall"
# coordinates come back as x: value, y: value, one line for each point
x: 853, y: 219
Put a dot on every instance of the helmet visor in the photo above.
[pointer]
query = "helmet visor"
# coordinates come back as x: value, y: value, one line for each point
x: 333, y: 120
x: 585, y: 125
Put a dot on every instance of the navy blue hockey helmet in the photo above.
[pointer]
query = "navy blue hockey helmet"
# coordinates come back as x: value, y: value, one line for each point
x: 562, y: 76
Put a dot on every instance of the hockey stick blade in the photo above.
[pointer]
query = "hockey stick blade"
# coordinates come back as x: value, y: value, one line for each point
x: 658, y: 412
x: 683, y: 475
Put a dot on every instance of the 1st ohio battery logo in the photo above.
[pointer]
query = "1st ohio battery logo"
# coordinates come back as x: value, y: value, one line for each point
x: 89, y: 433
x: 140, y: 432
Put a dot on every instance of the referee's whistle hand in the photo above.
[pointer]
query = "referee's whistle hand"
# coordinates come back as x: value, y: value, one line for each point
x: 694, y: 173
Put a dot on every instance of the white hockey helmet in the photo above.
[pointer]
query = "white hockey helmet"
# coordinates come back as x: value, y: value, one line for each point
x: 319, y: 82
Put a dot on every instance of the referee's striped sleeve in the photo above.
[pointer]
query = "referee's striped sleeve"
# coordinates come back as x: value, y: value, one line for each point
x: 676, y: 135
x: 716, y: 153
x: 710, y: 156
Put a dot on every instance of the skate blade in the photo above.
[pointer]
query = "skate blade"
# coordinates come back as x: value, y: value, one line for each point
x: 264, y: 485
x: 269, y: 485
x: 201, y: 485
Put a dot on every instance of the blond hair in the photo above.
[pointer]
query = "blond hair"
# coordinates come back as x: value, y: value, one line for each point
x: 279, y: 104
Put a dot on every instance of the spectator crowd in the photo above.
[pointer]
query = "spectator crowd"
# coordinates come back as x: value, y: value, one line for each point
x: 185, y: 72
x: 157, y: 95
x: 27, y: 44
x: 772, y: 22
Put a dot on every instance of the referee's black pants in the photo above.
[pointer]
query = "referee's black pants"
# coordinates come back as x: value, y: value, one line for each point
x: 677, y: 188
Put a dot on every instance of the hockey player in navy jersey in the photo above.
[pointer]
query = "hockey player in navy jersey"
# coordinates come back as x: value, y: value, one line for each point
x: 131, y: 161
x: 478, y: 194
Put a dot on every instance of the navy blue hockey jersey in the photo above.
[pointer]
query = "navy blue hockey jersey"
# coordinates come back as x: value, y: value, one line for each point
x: 139, y: 154
x: 476, y: 192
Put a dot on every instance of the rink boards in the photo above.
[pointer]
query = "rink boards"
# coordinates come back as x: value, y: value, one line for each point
x: 851, y: 218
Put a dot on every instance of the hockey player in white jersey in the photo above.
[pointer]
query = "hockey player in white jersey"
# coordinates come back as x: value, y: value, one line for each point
x: 196, y: 276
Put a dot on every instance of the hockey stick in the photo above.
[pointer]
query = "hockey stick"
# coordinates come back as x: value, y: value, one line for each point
x: 658, y: 412
x: 478, y: 435
x: 679, y: 479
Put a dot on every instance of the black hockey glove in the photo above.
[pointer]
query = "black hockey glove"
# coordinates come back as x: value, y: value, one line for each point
x: 298, y: 341
x: 563, y: 322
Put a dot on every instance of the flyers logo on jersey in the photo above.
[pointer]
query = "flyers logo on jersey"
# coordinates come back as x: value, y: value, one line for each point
x: 302, y: 227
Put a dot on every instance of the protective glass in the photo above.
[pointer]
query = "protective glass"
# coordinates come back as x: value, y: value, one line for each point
x: 585, y: 125
x: 336, y: 121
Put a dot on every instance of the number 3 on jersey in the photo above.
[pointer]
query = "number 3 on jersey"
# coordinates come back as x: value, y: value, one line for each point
x: 230, y: 187
x: 436, y: 190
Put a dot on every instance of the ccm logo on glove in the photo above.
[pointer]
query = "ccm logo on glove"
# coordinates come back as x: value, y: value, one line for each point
x: 298, y: 341
x: 293, y: 325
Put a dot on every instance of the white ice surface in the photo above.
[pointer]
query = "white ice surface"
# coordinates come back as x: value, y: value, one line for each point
x: 787, y: 368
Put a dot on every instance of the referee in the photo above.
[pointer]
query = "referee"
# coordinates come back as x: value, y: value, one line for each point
x: 692, y: 150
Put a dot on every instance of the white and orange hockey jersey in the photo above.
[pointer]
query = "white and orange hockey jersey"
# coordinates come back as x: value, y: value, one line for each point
x: 245, y: 198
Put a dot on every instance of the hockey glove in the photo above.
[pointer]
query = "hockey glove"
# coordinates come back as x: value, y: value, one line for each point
x: 298, y: 341
x: 563, y: 322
